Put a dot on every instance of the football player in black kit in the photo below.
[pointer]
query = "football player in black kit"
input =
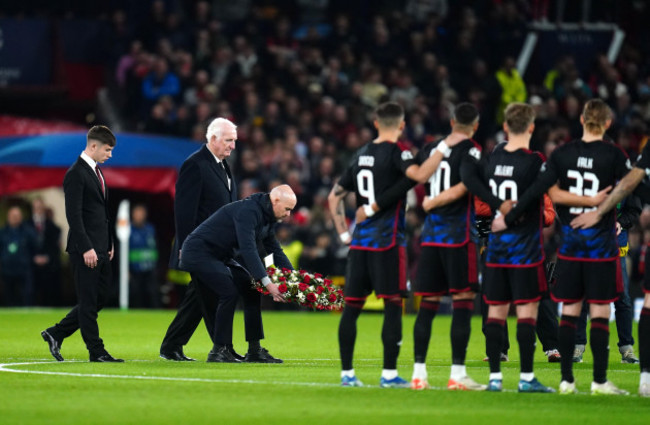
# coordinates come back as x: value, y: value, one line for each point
x: 515, y: 270
x: 589, y: 219
x: 588, y: 263
x: 377, y: 258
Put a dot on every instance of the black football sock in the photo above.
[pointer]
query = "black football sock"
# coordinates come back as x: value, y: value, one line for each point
x: 460, y: 330
x: 422, y: 329
x: 494, y: 342
x: 599, y: 342
x: 526, y: 339
x: 254, y: 345
x: 566, y: 343
x: 644, y: 340
x: 391, y: 332
x: 348, y: 332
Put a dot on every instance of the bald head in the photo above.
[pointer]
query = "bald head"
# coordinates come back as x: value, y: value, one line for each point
x: 283, y: 200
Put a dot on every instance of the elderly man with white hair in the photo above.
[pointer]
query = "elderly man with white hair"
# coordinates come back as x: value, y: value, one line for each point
x: 204, y: 185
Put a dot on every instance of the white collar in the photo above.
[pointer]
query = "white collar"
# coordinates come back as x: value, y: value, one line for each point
x: 215, y: 156
x: 89, y: 160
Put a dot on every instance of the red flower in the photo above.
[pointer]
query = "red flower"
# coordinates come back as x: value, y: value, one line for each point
x: 332, y: 298
x: 303, y: 286
x: 320, y: 290
x: 318, y: 275
x: 282, y: 279
x: 328, y: 282
x: 285, y: 271
x: 301, y: 271
x: 311, y: 297
x: 282, y: 288
x: 306, y: 279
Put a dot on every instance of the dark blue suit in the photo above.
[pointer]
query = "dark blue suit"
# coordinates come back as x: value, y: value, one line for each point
x: 234, y: 231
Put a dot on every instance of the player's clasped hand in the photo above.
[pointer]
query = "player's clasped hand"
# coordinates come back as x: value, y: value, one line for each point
x: 90, y: 258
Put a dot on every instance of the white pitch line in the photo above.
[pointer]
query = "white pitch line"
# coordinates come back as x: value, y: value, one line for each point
x: 5, y: 367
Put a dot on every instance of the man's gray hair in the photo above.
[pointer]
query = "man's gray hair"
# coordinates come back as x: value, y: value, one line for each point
x: 216, y: 127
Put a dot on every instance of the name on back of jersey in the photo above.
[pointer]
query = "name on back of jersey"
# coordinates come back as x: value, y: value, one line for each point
x: 504, y: 170
x: 587, y: 163
x: 366, y: 161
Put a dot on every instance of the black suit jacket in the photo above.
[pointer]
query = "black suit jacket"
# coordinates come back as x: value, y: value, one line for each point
x: 201, y: 189
x: 235, y: 231
x: 86, y: 209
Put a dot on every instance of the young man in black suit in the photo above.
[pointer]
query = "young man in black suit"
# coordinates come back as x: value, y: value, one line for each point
x: 204, y: 185
x: 235, y: 231
x: 90, y: 246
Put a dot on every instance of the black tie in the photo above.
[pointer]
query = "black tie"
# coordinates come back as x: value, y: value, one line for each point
x: 225, y: 171
x: 101, y: 182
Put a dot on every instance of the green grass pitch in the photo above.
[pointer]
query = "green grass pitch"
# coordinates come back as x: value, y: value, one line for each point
x: 303, y: 390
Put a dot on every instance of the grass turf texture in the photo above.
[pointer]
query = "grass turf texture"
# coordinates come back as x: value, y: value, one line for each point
x: 147, y: 389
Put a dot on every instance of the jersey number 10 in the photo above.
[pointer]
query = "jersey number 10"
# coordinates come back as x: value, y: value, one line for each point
x: 507, y: 190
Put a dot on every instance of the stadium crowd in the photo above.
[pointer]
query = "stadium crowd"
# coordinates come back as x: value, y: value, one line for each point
x: 301, y: 83
x: 301, y: 79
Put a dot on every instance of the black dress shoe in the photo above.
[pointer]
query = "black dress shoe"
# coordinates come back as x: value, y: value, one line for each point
x: 177, y: 356
x: 222, y: 355
x: 236, y: 355
x: 261, y: 355
x: 105, y: 358
x: 55, y: 346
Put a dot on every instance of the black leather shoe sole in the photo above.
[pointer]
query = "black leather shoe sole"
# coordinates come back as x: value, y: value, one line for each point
x: 53, y: 345
x: 176, y: 357
x: 107, y: 358
x: 248, y: 359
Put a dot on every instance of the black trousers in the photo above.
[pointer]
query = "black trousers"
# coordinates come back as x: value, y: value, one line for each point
x: 201, y: 303
x: 92, y: 287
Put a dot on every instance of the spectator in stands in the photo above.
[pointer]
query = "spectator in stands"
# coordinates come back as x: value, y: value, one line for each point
x: 47, y: 258
x: 17, y: 249
x: 144, y: 288
x: 513, y: 88
x: 160, y: 82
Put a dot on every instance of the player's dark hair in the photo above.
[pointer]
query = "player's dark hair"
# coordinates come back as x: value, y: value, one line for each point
x: 465, y: 114
x: 596, y: 113
x: 518, y: 117
x: 101, y: 134
x: 389, y: 114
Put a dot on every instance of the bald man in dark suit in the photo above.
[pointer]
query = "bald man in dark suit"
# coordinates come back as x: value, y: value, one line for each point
x: 204, y: 185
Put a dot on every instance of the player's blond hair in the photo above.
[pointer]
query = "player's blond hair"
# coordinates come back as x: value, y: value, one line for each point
x: 595, y: 114
x: 518, y: 117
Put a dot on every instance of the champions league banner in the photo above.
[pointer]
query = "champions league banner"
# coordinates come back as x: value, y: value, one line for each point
x: 25, y: 52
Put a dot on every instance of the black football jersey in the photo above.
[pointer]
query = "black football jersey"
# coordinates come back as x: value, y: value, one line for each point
x: 449, y: 225
x: 508, y: 175
x: 583, y: 169
x: 373, y: 170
